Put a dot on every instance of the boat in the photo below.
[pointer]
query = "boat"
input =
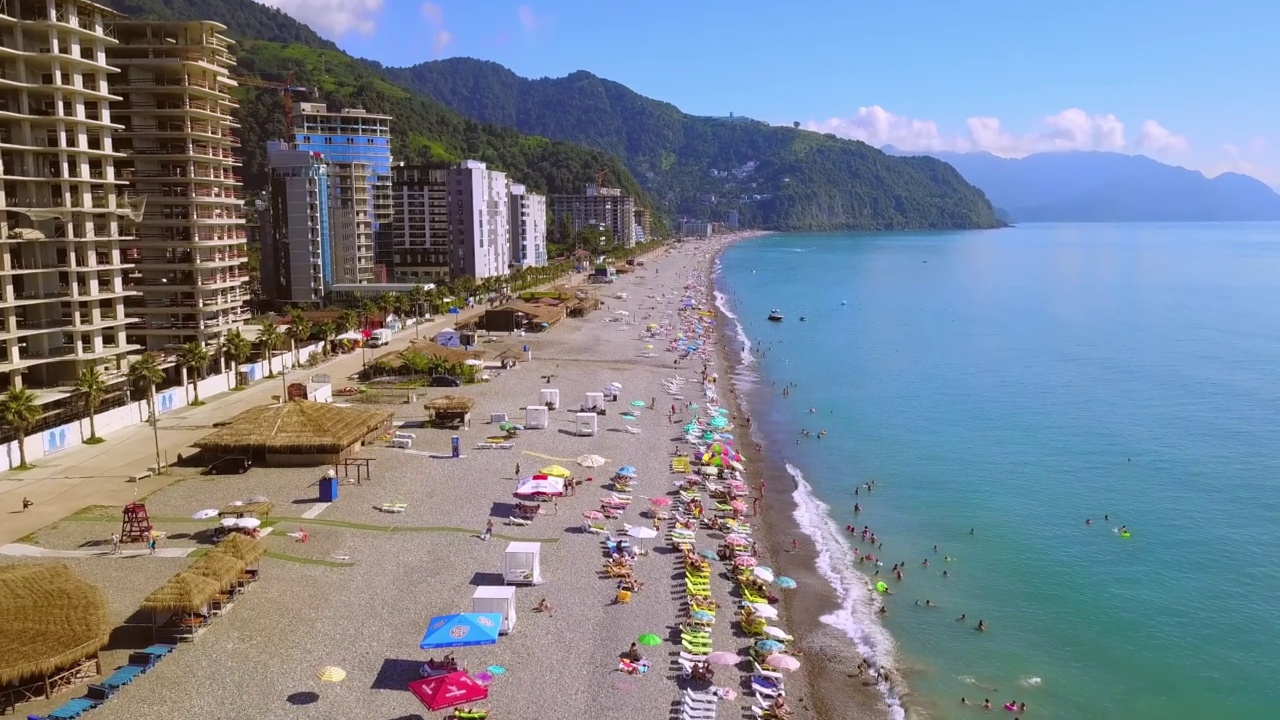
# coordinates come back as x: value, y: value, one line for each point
x: 775, y: 315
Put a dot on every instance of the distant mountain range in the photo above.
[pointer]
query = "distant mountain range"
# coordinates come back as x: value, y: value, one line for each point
x: 1108, y: 187
x: 709, y: 167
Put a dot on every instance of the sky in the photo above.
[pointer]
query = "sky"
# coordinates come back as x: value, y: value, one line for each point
x: 1187, y: 82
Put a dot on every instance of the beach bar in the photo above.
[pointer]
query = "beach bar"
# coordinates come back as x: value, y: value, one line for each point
x: 299, y: 433
x: 52, y: 625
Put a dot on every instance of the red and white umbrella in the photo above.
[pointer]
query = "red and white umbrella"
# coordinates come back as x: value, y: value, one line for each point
x: 540, y: 485
x: 746, y: 562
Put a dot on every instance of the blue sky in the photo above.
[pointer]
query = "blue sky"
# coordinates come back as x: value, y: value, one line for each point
x: 1187, y: 82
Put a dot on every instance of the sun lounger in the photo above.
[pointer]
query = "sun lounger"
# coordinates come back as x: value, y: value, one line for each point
x: 73, y: 709
x: 494, y: 446
x: 513, y: 520
x: 764, y: 672
x: 402, y: 443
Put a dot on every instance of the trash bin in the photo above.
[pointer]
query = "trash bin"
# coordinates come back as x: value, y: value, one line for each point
x: 328, y: 489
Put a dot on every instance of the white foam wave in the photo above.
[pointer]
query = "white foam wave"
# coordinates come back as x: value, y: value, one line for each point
x: 745, y: 356
x: 856, y: 617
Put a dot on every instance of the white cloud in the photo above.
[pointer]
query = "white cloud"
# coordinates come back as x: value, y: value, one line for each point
x: 1157, y: 139
x: 528, y: 19
x: 1071, y: 129
x: 441, y: 38
x: 333, y: 18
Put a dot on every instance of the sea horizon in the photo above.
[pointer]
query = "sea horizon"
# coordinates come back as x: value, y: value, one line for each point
x: 1015, y: 383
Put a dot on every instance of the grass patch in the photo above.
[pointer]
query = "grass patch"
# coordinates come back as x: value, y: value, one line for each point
x: 238, y: 388
x: 95, y: 511
x: 95, y: 440
x: 28, y: 539
x: 22, y: 468
x: 197, y: 403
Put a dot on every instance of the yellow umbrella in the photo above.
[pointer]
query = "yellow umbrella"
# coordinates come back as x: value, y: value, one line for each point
x: 331, y: 674
x: 555, y: 471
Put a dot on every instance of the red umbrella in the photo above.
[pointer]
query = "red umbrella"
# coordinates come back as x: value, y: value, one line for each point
x: 444, y: 691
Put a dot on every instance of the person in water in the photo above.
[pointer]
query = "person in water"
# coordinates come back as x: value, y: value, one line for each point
x: 982, y: 626
x: 1087, y: 521
x: 962, y: 618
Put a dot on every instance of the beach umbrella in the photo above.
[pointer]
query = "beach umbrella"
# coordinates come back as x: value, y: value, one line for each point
x: 205, y: 514
x: 702, y: 616
x: 709, y: 470
x: 461, y: 630
x: 640, y: 532
x: 555, y: 471
x: 737, y: 540
x: 769, y: 646
x: 660, y: 501
x: 745, y: 562
x: 776, y: 632
x: 331, y: 674
x: 444, y: 691
x: 709, y: 555
x: 506, y: 426
x: 592, y: 515
x: 540, y: 485
x: 785, y: 583
x: 615, y: 385
x: 765, y: 610
x: 649, y: 639
x: 228, y: 522
x: 782, y: 661
x: 248, y: 523
x: 737, y: 505
x: 720, y: 657
x: 626, y: 471
x: 591, y: 461
x: 765, y: 574
x: 257, y: 499
x: 638, y: 403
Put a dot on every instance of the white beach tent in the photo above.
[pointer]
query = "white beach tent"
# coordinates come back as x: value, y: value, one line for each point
x: 522, y: 564
x: 496, y: 599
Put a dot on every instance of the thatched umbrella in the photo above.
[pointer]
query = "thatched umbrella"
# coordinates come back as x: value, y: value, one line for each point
x: 450, y: 404
x: 49, y: 619
x: 222, y: 568
x: 300, y: 426
x: 183, y: 592
x: 245, y: 549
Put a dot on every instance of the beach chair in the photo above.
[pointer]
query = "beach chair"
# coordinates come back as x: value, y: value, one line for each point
x: 623, y: 597
x: 73, y: 709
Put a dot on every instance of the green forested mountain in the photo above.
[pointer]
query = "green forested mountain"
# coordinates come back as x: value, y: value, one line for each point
x: 702, y: 166
x: 272, y: 44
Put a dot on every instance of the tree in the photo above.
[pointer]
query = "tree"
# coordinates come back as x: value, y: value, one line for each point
x: 348, y: 320
x: 415, y: 361
x: 94, y: 386
x: 269, y: 340
x: 298, y: 331
x: 367, y: 311
x: 237, y: 347
x: 20, y: 411
x: 146, y: 373
x: 418, y: 299
x: 194, y: 356
x: 327, y: 331
x: 796, y: 124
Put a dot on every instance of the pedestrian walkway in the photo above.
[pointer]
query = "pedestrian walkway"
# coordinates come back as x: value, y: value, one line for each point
x: 22, y: 550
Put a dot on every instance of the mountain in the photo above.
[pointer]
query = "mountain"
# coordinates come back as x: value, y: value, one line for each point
x: 705, y: 167
x: 271, y: 45
x: 1110, y: 187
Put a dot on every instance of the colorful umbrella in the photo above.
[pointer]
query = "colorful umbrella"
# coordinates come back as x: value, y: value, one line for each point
x: 702, y: 616
x: 721, y: 657
x: 331, y: 674
x: 785, y: 583
x: 649, y: 639
x: 769, y: 646
x: 782, y: 661
x: 462, y: 630
x: 555, y: 471
x: 444, y: 691
x: 592, y: 515
x: 709, y: 555
x: 626, y: 471
x: 660, y: 501
x: 540, y: 485
x: 638, y: 403
x: 745, y: 562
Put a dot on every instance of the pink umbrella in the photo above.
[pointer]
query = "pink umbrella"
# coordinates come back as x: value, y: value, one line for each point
x: 782, y: 661
x: 592, y: 515
x: 738, y: 505
x: 721, y: 657
x: 660, y: 501
x: 745, y: 562
x: 737, y: 540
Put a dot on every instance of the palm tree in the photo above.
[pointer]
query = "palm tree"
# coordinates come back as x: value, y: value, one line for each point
x: 195, y: 357
x: 417, y: 298
x: 367, y: 310
x: 327, y: 331
x: 348, y: 320
x: 94, y: 386
x: 237, y: 347
x: 415, y: 362
x: 269, y: 339
x: 298, y: 331
x: 145, y: 372
x: 20, y: 411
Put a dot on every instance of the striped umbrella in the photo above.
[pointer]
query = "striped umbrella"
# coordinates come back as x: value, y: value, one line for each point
x: 331, y: 674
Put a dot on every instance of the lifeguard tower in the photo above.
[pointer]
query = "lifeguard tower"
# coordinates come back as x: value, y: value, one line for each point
x: 136, y: 526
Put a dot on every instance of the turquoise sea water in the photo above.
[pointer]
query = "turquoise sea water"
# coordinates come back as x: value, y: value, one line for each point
x: 1015, y: 383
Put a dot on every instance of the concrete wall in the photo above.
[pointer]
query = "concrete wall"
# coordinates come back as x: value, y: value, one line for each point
x: 58, y: 439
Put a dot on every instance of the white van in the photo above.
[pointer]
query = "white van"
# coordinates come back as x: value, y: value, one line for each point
x: 379, y: 337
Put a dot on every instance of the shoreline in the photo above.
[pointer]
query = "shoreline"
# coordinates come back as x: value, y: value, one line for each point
x: 844, y: 694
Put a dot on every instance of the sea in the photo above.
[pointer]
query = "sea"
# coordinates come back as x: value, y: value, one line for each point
x: 1002, y: 389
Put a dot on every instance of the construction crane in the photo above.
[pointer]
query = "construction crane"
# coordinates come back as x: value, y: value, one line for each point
x: 287, y: 88
x: 600, y: 178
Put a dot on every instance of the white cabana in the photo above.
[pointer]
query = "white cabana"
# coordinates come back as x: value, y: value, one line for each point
x: 496, y: 599
x: 586, y: 424
x: 522, y: 564
x: 536, y: 417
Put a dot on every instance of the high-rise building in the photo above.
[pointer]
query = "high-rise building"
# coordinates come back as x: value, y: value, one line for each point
x: 61, y: 269
x: 297, y: 245
x: 189, y: 254
x: 599, y: 206
x: 420, y: 223
x: 349, y: 136
x: 479, y: 221
x: 528, y: 227
x: 350, y: 223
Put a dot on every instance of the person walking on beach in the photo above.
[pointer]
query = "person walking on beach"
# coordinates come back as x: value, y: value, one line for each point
x: 517, y: 470
x: 115, y: 544
x: 151, y: 545
x: 795, y: 545
x: 26, y: 503
x: 488, y: 529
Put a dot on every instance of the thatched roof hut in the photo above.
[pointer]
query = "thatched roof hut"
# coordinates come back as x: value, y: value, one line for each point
x: 49, y: 619
x: 430, y: 349
x: 183, y: 592
x: 221, y: 568
x: 449, y: 404
x: 299, y: 432
x: 241, y: 547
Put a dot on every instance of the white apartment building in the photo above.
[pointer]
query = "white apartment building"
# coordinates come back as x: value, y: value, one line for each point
x: 479, y: 221
x: 528, y: 227
x: 61, y: 270
x: 351, y: 222
x: 189, y: 255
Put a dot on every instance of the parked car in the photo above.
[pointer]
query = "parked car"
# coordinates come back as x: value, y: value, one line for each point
x: 445, y: 381
x: 234, y: 465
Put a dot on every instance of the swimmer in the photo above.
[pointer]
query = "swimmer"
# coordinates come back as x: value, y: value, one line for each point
x: 884, y: 610
x: 982, y: 626
x: 986, y: 704
x: 929, y: 603
x: 857, y: 508
x: 944, y: 574
x: 925, y: 563
x: 935, y: 548
x: 1087, y: 521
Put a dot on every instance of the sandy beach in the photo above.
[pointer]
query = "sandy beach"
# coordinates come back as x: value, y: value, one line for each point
x: 358, y: 594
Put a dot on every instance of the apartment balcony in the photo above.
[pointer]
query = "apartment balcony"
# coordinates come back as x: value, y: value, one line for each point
x: 203, y: 88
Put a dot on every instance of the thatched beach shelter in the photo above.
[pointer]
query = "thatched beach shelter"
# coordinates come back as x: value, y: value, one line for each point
x: 300, y: 433
x: 449, y: 410
x: 182, y: 593
x: 241, y: 547
x: 222, y: 568
x: 52, y: 625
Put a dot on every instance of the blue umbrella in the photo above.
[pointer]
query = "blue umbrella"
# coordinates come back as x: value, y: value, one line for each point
x: 702, y: 616
x: 785, y: 583
x: 769, y: 646
x: 462, y: 630
x: 627, y: 471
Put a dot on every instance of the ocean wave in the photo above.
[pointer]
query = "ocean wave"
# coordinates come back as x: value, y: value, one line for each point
x: 745, y: 357
x: 856, y: 617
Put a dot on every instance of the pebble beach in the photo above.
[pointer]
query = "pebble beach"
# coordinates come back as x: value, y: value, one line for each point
x: 359, y: 592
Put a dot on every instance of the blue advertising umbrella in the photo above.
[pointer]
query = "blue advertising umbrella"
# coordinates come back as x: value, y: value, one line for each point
x: 627, y: 471
x: 462, y: 630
